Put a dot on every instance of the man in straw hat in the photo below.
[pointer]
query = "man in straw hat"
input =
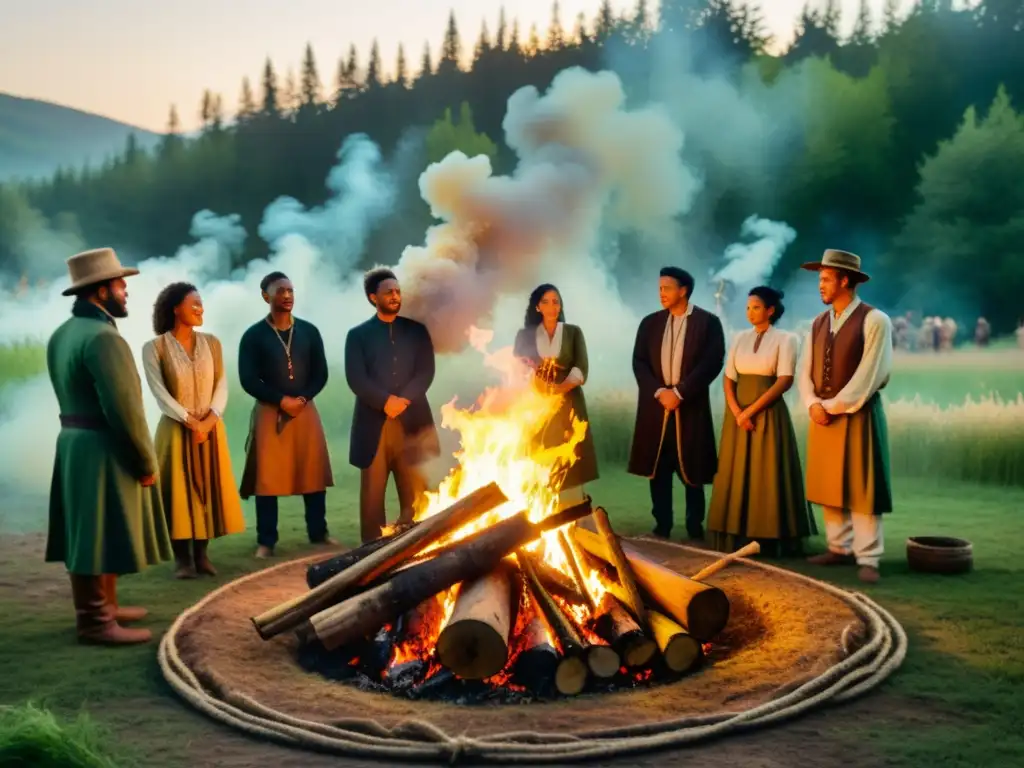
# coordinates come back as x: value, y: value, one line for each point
x: 846, y: 361
x: 106, y: 518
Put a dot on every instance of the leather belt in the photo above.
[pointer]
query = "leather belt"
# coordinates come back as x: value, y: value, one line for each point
x: 76, y: 421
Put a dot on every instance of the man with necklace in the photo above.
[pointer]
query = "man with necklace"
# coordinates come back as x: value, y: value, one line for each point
x: 678, y: 353
x: 282, y: 365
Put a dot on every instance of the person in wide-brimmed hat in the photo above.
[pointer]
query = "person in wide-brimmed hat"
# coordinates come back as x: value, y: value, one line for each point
x: 106, y: 518
x: 846, y: 361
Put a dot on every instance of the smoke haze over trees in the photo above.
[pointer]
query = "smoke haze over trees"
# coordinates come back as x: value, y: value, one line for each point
x: 901, y: 142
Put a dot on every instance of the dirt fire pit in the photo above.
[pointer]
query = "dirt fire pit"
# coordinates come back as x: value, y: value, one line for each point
x: 787, y: 639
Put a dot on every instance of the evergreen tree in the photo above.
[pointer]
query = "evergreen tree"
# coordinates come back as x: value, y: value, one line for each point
x: 451, y: 48
x: 861, y: 35
x: 271, y: 101
x: 556, y: 34
x: 579, y: 30
x: 374, y: 77
x: 310, y: 94
x: 483, y: 44
x: 890, y: 16
x: 426, y: 64
x: 605, y: 25
x: 532, y: 47
x: 246, y: 102
x: 500, y: 41
x: 401, y: 68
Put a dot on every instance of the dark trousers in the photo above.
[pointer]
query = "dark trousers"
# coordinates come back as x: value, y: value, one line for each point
x: 661, y: 492
x: 266, y: 518
x: 392, y: 458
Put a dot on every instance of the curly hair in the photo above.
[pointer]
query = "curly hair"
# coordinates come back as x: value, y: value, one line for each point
x: 373, y: 279
x: 169, y: 299
x: 533, y: 317
x: 772, y: 299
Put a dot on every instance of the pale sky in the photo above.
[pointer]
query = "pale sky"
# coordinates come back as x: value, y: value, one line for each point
x: 131, y: 59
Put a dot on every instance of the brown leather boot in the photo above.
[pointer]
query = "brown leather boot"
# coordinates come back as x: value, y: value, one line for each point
x: 203, y: 564
x: 123, y: 613
x: 94, y: 616
x: 832, y: 558
x: 183, y: 559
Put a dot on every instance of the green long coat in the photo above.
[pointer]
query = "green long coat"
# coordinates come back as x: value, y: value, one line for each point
x: 101, y: 519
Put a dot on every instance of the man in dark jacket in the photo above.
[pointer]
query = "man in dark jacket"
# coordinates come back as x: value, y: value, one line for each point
x: 678, y: 353
x: 389, y: 366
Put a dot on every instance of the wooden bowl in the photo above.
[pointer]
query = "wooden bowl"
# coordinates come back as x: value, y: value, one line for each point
x: 939, y: 554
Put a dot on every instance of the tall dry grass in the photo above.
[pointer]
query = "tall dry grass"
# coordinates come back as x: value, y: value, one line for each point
x: 958, y: 416
x: 980, y: 440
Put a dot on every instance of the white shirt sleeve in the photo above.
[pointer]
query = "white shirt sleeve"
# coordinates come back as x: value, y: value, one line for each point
x: 575, y: 375
x: 155, y: 378
x: 874, y: 368
x: 788, y: 351
x: 730, y: 360
x: 219, y: 401
x: 805, y: 384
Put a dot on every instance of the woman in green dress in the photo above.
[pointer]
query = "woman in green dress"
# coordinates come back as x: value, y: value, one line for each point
x: 557, y: 352
x: 758, y: 492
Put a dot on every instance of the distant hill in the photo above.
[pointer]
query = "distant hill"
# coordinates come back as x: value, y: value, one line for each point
x: 37, y: 137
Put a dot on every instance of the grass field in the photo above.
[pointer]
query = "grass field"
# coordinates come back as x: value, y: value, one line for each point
x: 959, y: 470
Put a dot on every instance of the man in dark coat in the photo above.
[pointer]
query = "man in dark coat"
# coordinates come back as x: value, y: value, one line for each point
x: 389, y: 365
x: 678, y: 353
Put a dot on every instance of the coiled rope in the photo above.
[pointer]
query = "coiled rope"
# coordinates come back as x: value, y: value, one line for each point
x: 883, y: 650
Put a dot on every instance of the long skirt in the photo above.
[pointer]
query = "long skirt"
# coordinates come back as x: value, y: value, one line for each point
x: 285, y: 456
x: 758, y: 492
x: 196, y: 483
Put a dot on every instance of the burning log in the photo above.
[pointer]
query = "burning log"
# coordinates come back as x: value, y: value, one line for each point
x: 536, y: 667
x: 569, y: 551
x: 555, y: 582
x: 615, y: 625
x: 320, y: 572
x: 578, y: 654
x: 622, y: 567
x: 291, y: 614
x: 701, y: 609
x: 474, y: 644
x: 360, y: 614
x: 679, y: 651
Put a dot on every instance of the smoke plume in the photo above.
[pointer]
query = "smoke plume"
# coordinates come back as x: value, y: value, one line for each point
x: 750, y: 264
x: 586, y: 166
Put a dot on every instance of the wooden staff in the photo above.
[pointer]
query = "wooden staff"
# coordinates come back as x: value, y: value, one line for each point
x: 750, y: 549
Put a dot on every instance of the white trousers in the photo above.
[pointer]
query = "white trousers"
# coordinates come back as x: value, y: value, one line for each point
x: 858, y: 533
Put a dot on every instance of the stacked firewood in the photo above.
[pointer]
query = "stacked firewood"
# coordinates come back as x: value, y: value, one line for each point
x: 516, y: 619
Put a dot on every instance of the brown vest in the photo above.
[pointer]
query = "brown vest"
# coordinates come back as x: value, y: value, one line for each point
x: 835, y: 357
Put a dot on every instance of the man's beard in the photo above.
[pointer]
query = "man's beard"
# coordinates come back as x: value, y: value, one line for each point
x: 389, y: 310
x: 114, y: 308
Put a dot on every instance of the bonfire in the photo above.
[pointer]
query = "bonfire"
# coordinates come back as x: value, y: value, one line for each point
x: 497, y: 585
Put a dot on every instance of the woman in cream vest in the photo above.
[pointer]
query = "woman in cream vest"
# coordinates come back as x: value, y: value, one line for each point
x: 185, y: 371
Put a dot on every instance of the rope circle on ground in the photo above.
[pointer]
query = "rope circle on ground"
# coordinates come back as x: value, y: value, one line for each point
x: 883, y: 649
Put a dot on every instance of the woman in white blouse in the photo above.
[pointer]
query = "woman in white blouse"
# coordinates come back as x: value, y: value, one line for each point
x: 557, y: 352
x: 185, y: 372
x: 758, y: 492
